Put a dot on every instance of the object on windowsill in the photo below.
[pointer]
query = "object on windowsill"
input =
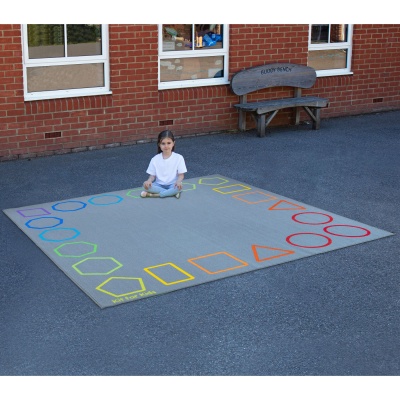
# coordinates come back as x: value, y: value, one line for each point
x: 216, y: 37
x: 172, y: 31
x: 199, y: 41
x: 168, y: 46
x: 208, y: 41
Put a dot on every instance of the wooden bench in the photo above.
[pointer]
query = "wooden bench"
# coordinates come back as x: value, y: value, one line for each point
x: 273, y: 75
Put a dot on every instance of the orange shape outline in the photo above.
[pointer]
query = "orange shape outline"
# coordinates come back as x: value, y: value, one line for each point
x: 297, y: 207
x: 282, y: 254
x: 236, y: 196
x: 243, y: 263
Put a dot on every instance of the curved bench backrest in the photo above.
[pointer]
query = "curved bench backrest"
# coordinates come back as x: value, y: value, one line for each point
x: 271, y: 75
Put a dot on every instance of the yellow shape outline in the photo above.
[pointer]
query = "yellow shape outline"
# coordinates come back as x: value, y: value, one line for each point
x: 233, y: 191
x: 143, y: 288
x: 213, y: 184
x: 147, y: 269
x: 244, y: 263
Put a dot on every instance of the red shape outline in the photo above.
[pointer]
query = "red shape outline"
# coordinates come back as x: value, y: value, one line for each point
x: 309, y: 233
x: 311, y: 223
x: 351, y: 226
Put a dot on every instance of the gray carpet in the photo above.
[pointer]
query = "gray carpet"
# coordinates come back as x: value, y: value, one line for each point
x: 118, y: 247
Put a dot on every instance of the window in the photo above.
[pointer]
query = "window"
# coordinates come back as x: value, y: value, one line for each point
x: 329, y: 50
x: 192, y: 55
x: 63, y: 60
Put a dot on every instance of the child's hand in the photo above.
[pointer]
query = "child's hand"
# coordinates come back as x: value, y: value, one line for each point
x: 178, y: 185
x: 147, y: 184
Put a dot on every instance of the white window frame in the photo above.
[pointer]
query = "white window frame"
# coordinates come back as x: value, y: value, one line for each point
x: 224, y: 51
x: 329, y: 46
x: 58, y: 61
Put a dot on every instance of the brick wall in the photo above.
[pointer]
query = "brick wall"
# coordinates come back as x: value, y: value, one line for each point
x: 137, y: 111
x: 12, y: 115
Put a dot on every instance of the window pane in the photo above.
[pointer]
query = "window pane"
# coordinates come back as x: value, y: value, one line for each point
x: 64, y: 77
x: 45, y: 40
x: 83, y: 40
x: 338, y: 33
x: 328, y: 59
x: 180, y: 69
x: 208, y: 36
x: 177, y: 37
x: 319, y: 34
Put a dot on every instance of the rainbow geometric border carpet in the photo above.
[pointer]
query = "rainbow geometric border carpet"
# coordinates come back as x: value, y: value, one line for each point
x: 118, y: 247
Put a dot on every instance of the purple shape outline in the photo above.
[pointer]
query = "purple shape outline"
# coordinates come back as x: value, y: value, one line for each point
x: 21, y: 212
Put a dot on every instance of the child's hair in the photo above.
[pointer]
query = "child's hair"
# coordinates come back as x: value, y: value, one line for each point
x: 162, y: 135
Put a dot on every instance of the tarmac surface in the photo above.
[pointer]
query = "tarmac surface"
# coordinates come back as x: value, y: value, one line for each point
x: 333, y: 314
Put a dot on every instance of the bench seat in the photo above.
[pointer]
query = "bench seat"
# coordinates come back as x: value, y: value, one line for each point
x: 261, y: 107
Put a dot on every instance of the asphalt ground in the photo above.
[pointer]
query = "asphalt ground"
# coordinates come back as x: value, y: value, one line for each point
x: 333, y: 314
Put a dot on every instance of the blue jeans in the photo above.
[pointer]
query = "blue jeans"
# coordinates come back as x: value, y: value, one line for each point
x: 163, y: 190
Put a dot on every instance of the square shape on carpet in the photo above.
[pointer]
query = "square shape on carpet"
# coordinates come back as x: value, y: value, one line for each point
x: 118, y: 247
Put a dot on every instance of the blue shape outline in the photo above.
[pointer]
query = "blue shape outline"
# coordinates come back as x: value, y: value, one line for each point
x: 68, y: 201
x: 104, y: 195
x: 77, y: 233
x: 43, y: 227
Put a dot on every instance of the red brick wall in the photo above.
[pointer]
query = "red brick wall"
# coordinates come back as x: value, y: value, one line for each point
x: 12, y: 115
x: 374, y: 85
x: 138, y: 111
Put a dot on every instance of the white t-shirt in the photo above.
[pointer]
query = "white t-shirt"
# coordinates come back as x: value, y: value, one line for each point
x: 166, y: 171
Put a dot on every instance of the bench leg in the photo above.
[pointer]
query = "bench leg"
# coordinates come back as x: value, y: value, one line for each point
x: 315, y: 116
x: 263, y: 121
x: 317, y: 121
x: 242, y: 121
x: 261, y: 125
x: 297, y: 115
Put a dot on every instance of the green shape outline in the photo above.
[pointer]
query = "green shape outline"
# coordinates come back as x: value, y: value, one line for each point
x: 119, y: 265
x: 192, y: 188
x: 56, y: 250
x: 134, y: 190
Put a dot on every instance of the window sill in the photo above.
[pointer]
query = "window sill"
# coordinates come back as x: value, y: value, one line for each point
x: 64, y: 95
x: 190, y: 84
x: 321, y: 74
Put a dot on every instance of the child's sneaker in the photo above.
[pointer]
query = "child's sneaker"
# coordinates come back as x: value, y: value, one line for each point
x: 178, y: 195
